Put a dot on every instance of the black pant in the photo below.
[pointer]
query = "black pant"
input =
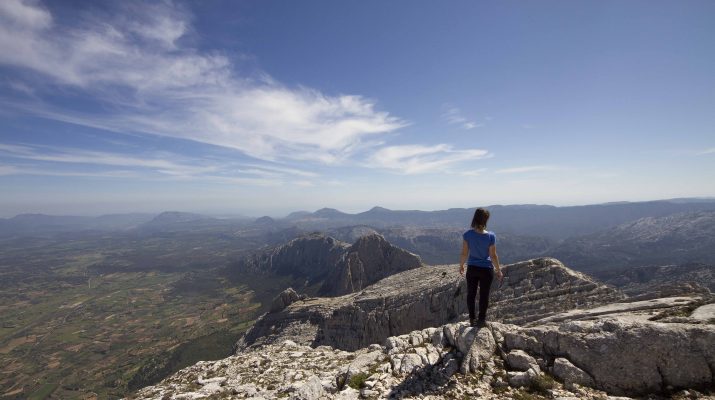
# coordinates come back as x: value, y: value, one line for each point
x: 482, y: 277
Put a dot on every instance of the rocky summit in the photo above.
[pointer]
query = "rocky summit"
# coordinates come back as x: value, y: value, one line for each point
x: 337, y: 267
x: 604, y: 358
x: 553, y: 333
x: 426, y: 296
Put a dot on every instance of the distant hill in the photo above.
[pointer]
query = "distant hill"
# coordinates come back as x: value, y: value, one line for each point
x: 34, y: 224
x: 556, y: 223
x: 675, y: 239
x: 545, y: 221
x: 639, y: 279
x: 173, y: 220
x: 443, y: 245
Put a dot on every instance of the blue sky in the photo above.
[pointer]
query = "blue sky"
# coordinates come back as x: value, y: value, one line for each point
x: 269, y: 107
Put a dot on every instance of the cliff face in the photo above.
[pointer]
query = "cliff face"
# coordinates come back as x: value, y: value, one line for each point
x: 311, y: 256
x: 426, y: 296
x: 368, y: 260
x: 339, y: 268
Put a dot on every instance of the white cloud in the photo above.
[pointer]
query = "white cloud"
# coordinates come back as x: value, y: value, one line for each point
x: 73, y: 162
x: 24, y: 14
x: 8, y: 170
x: 412, y: 159
x: 453, y: 116
x: 473, y: 172
x: 136, y: 65
x: 532, y: 168
x: 708, y: 151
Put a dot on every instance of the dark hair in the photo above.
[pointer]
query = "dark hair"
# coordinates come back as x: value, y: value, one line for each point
x: 481, y: 216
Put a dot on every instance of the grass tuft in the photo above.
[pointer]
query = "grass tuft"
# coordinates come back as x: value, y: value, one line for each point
x: 357, y: 381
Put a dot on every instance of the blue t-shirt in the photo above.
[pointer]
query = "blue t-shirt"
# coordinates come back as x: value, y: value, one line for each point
x: 479, y: 244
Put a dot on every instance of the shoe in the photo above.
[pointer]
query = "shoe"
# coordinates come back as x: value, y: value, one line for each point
x: 472, y: 322
x: 481, y: 323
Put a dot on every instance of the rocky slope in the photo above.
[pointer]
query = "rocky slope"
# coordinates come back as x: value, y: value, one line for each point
x: 575, y: 338
x: 673, y: 239
x: 588, y: 359
x: 427, y: 296
x: 337, y: 267
x: 638, y: 281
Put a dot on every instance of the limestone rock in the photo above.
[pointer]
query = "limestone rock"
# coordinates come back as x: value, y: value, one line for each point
x: 339, y: 268
x: 401, y: 303
x: 284, y: 299
x: 312, y: 389
x: 520, y: 360
x: 331, y: 347
x: 623, y: 356
x: 426, y: 296
x: 368, y: 260
x: 311, y: 256
x: 522, y: 378
x: 606, y: 353
x: 570, y: 374
x: 538, y: 288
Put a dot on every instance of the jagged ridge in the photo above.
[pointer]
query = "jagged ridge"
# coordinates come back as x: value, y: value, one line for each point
x: 426, y: 296
x: 337, y: 267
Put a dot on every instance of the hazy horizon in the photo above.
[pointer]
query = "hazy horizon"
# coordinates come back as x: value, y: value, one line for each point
x: 238, y: 213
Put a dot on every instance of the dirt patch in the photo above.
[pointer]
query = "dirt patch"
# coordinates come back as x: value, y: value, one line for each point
x: 75, y: 348
x: 18, y: 342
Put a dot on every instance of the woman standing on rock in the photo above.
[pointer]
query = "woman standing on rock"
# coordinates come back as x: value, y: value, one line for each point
x: 480, y: 245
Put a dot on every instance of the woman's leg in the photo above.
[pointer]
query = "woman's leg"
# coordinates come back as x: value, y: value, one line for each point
x: 472, y: 283
x: 486, y: 275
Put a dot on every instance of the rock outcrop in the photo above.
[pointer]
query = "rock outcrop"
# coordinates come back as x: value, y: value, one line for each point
x: 427, y: 296
x: 622, y: 356
x: 368, y: 260
x: 336, y: 267
x: 374, y: 344
x: 284, y: 299
x: 589, y: 359
x: 311, y: 256
x: 537, y: 288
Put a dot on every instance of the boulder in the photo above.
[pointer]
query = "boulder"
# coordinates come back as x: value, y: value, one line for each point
x: 570, y: 374
x: 284, y: 299
x: 623, y: 356
x: 520, y: 360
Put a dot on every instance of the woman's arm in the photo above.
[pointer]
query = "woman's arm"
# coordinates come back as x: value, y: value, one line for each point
x: 463, y: 256
x: 495, y: 260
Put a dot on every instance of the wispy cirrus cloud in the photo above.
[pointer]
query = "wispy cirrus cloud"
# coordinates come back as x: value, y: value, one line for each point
x: 58, y: 161
x: 453, y: 116
x: 473, y: 172
x: 137, y: 65
x: 531, y: 168
x: 413, y: 159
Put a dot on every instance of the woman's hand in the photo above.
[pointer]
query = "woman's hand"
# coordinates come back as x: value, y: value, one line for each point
x: 499, y: 274
x: 461, y: 269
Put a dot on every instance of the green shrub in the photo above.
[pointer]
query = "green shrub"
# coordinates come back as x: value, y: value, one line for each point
x: 542, y: 383
x: 357, y: 381
x: 524, y: 395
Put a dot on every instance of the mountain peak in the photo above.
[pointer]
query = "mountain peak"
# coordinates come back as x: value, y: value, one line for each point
x: 328, y: 212
x: 178, y: 216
